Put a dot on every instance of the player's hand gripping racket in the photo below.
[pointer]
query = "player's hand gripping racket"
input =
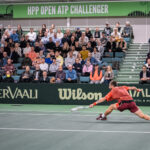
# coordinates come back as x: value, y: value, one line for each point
x: 79, y: 108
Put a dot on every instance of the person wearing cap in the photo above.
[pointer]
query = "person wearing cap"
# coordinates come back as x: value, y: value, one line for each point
x: 71, y: 75
x: 108, y: 30
x: 96, y: 75
x: 78, y: 32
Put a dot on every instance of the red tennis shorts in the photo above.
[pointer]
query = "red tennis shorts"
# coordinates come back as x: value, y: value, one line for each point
x: 127, y: 106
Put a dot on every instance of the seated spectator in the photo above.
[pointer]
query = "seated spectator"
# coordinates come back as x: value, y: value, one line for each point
x: 91, y: 59
x: 60, y: 75
x: 32, y: 54
x: 9, y: 30
x: 14, y: 36
x: 8, y: 78
x: 13, y: 55
x: 78, y: 32
x: 80, y: 59
x: 18, y: 49
x: 77, y: 46
x: 75, y: 53
x: 127, y: 32
x: 144, y: 76
x: 93, y: 42
x: 56, y: 39
x: 109, y: 75
x: 70, y: 60
x: 6, y: 48
x: 87, y: 68
x: 122, y: 45
x: 78, y: 67
x: 65, y: 38
x: 84, y: 53
x: 71, y: 42
x: 96, y: 54
x: 48, y: 59
x: 118, y: 26
x: 37, y: 74
x: 4, y: 59
x: 26, y: 75
x: 100, y: 48
x: 27, y: 49
x: 9, y: 67
x: 89, y: 47
x: 83, y: 40
x: 37, y: 60
x: 44, y: 78
x: 116, y: 35
x: 50, y: 44
x: 108, y: 30
x: 59, y: 34
x: 51, y: 33
x: 42, y: 47
x: 59, y: 58
x: 88, y: 33
x: 45, y: 38
x: 96, y: 75
x: 43, y: 65
x: 148, y: 65
x: 97, y: 34
x: 57, y: 47
x: 65, y: 49
x: 37, y: 48
x: 19, y: 31
x: 32, y: 35
x: 1, y: 79
x: 26, y: 62
x: 53, y: 68
x: 23, y: 43
x: 44, y: 29
x: 39, y: 36
x: 103, y: 40
x: 71, y: 76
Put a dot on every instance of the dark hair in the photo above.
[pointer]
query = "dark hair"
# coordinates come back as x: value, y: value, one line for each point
x: 113, y: 83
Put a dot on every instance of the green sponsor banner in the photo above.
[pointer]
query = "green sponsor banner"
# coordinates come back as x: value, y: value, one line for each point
x: 89, y: 9
x: 71, y: 94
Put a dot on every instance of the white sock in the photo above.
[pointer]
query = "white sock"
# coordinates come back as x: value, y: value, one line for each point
x: 103, y: 115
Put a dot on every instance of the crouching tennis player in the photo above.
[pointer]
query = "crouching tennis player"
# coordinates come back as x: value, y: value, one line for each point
x: 125, y: 101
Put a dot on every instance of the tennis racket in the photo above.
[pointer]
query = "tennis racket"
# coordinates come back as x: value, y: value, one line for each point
x: 79, y: 108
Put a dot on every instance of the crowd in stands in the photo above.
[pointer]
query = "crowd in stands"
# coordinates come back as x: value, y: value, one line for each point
x: 53, y: 56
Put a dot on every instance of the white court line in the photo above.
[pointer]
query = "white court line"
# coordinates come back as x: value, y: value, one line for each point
x: 83, y: 131
x: 74, y: 114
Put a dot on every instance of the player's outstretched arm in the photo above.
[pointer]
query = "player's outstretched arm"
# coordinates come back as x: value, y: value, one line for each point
x: 135, y: 89
x: 97, y: 102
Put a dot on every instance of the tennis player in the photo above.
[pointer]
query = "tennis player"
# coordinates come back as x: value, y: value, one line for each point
x: 125, y: 101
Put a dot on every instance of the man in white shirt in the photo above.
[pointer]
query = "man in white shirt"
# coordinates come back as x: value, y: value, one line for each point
x: 50, y: 33
x: 9, y: 30
x: 45, y: 39
x: 59, y: 34
x: 70, y: 60
x: 43, y: 65
x: 32, y: 35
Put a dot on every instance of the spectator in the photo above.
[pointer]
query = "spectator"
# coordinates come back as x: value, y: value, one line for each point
x: 10, y: 43
x: 57, y: 47
x: 83, y: 39
x: 1, y: 79
x: 100, y: 48
x: 96, y: 55
x: 26, y: 62
x: 116, y: 35
x: 27, y: 49
x: 7, y: 48
x: 8, y: 78
x: 84, y: 53
x: 72, y: 41
x: 75, y: 53
x: 26, y: 75
x: 23, y: 43
x: 87, y: 68
x: 92, y: 41
x: 37, y: 48
x: 39, y: 36
x: 77, y: 46
x: 48, y: 59
x: 71, y: 76
x: 53, y: 68
x: 96, y: 75
x: 65, y: 49
x: 148, y: 65
x: 109, y: 75
x: 78, y: 33
x: 59, y: 58
x: 2, y: 30
x: 70, y: 60
x: 56, y: 39
x: 97, y: 34
x: 19, y: 31
x: 60, y: 75
x: 50, y: 45
x: 51, y: 33
x: 91, y: 59
x: 37, y: 60
x: 18, y: 49
x: 44, y: 29
x: 43, y: 65
x: 4, y: 59
x: 32, y: 35
x: 103, y: 40
x: 89, y: 47
x: 9, y: 67
x: 37, y: 74
x: 14, y: 55
x: 65, y: 38
x: 80, y: 59
x: 88, y: 33
x: 144, y: 76
x: 59, y: 34
x: 9, y: 30
x: 32, y: 54
x: 45, y: 38
x: 14, y: 36
x: 44, y: 78
x: 118, y: 27
x: 122, y: 45
x: 108, y: 30
x: 78, y: 67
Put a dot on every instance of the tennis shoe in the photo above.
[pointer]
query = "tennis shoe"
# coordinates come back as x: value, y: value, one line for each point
x: 101, y: 118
